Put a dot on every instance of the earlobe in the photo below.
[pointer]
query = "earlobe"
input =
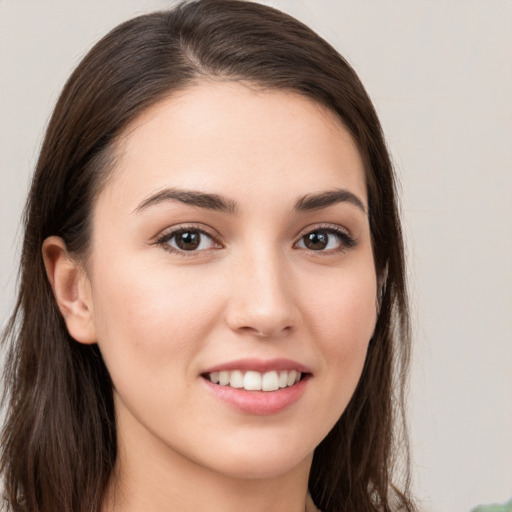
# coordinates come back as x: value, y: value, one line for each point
x: 71, y: 289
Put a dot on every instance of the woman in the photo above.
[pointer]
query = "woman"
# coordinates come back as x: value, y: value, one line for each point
x: 212, y: 312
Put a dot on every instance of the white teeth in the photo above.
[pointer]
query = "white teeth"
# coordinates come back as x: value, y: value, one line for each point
x: 223, y: 378
x: 283, y: 379
x: 270, y: 381
x: 252, y: 381
x: 255, y: 381
x: 291, y: 377
x: 237, y: 379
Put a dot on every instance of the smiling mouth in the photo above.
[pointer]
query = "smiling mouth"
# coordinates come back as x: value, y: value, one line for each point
x: 255, y: 381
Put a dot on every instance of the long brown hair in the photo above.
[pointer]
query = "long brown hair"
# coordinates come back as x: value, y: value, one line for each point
x: 59, y: 438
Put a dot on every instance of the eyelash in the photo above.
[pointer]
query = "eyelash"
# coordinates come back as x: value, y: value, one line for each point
x: 164, y: 239
x: 346, y: 242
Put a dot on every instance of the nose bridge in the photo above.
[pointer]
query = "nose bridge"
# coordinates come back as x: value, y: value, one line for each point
x: 262, y: 298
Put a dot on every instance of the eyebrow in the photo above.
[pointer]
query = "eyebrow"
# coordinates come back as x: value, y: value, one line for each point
x: 328, y: 198
x: 219, y: 203
x: 192, y: 198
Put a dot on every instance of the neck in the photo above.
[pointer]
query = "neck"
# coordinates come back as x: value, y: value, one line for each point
x: 138, y: 488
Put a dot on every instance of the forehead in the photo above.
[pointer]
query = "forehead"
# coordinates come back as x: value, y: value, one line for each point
x: 236, y: 138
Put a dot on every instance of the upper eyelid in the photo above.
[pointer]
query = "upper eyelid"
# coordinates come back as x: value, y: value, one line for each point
x: 325, y: 226
x: 173, y: 230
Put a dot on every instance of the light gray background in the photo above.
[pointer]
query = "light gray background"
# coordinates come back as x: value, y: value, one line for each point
x: 440, y: 74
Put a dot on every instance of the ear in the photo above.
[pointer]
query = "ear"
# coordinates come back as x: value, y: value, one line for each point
x: 71, y: 288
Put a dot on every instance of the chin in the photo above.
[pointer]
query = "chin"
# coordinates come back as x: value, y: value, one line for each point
x: 259, y: 462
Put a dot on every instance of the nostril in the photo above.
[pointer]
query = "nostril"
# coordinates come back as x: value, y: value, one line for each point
x: 265, y: 332
x: 264, y: 320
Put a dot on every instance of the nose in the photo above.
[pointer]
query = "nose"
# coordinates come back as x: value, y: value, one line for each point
x: 262, y: 299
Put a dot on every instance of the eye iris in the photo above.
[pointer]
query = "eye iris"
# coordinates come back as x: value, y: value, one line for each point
x: 316, y: 241
x: 188, y: 240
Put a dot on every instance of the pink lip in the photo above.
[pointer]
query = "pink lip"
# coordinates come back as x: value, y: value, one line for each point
x: 259, y: 365
x: 261, y: 403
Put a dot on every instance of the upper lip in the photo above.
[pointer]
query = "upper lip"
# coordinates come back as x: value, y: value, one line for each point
x: 259, y: 365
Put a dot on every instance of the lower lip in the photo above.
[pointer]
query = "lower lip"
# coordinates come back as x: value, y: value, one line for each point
x: 262, y: 403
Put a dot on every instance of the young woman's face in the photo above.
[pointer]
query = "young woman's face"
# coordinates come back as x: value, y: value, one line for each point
x: 231, y: 251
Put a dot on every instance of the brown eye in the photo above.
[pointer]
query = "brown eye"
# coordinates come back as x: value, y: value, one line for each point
x: 188, y: 240
x: 316, y: 241
x: 326, y: 240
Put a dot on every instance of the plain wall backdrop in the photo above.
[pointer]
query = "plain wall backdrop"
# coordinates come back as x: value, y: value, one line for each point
x: 440, y: 75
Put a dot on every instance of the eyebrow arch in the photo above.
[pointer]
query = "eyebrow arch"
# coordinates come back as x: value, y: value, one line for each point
x: 218, y: 203
x: 190, y: 197
x: 328, y: 198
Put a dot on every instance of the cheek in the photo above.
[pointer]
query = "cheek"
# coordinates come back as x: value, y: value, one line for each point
x: 344, y: 318
x: 147, y: 317
x: 344, y: 310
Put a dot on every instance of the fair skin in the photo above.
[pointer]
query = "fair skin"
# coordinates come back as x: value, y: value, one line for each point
x: 261, y: 277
